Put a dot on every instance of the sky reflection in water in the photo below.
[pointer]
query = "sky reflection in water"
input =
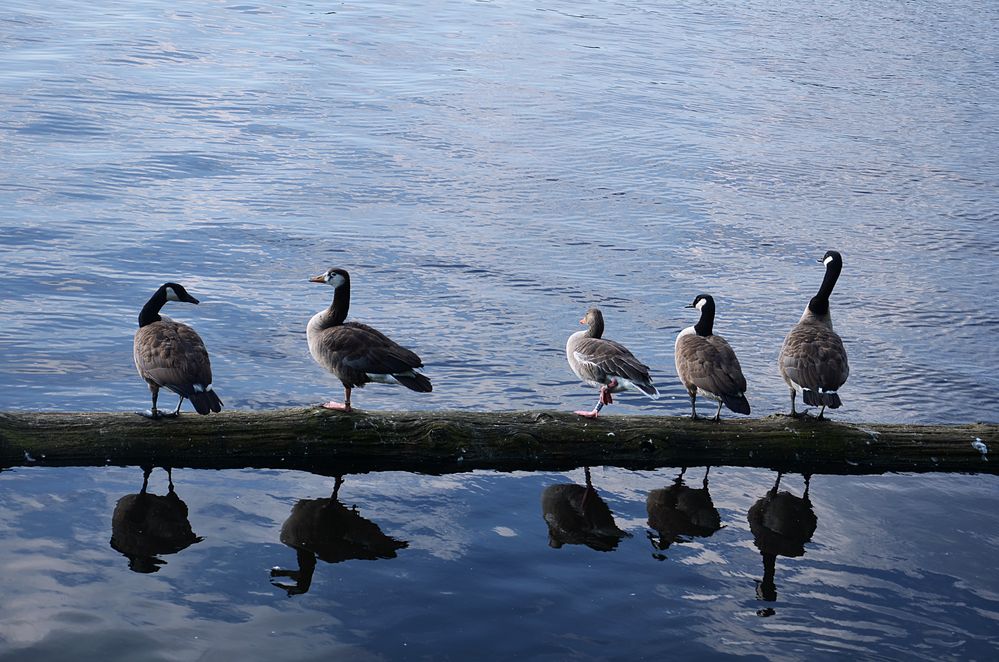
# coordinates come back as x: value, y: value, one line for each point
x: 402, y: 565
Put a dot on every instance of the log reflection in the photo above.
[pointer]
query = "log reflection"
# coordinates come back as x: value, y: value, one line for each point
x: 576, y: 515
x: 329, y: 531
x: 781, y: 524
x: 145, y: 526
x: 679, y: 513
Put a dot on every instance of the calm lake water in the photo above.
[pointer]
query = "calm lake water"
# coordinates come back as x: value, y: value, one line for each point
x: 487, y: 171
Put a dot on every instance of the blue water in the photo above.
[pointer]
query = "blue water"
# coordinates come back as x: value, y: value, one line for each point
x: 478, y: 577
x: 487, y: 171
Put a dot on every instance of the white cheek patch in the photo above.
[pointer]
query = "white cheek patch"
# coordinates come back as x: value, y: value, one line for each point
x: 700, y: 304
x: 337, y: 280
x: 827, y: 260
x: 171, y: 294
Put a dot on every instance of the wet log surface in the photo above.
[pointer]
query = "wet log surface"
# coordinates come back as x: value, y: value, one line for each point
x: 332, y: 443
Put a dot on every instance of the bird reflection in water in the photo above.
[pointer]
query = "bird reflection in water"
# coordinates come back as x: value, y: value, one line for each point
x: 679, y: 513
x: 576, y: 515
x: 330, y: 531
x: 781, y: 524
x: 145, y: 526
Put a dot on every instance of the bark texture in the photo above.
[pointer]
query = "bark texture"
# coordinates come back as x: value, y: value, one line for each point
x: 332, y: 443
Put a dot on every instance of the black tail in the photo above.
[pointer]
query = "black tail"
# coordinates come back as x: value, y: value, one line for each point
x: 415, y: 382
x: 205, y: 401
x: 737, y: 403
x: 817, y: 399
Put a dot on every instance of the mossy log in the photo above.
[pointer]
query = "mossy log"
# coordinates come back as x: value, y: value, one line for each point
x: 331, y: 443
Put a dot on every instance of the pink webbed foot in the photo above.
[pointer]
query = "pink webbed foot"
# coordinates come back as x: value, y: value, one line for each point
x: 587, y: 414
x: 338, y: 406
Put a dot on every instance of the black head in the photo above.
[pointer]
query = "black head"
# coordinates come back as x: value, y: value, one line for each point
x: 832, y: 258
x: 702, y: 300
x: 819, y: 304
x: 333, y: 277
x: 706, y: 304
x: 176, y: 292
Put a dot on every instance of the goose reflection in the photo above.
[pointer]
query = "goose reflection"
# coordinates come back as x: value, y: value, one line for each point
x: 781, y: 524
x: 145, y: 526
x: 330, y: 531
x: 679, y: 513
x: 576, y: 515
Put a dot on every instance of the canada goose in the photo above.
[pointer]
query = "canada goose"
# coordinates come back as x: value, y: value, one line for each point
x: 679, y: 513
x: 329, y: 531
x: 813, y: 360
x: 605, y: 363
x: 707, y: 363
x: 145, y: 526
x: 172, y: 355
x: 781, y: 524
x: 356, y: 353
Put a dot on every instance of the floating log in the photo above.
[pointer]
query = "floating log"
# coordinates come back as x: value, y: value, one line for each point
x: 332, y: 443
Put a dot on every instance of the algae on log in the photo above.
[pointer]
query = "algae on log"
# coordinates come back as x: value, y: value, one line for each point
x: 330, y: 443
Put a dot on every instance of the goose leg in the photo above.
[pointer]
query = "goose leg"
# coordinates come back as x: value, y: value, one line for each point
x: 586, y: 492
x: 821, y: 411
x: 154, y: 412
x: 718, y: 413
x: 145, y: 479
x: 693, y: 406
x: 176, y: 412
x: 794, y: 414
x: 605, y: 393
x: 338, y: 406
x: 597, y: 408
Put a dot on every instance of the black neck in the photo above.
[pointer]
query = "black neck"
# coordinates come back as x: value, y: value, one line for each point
x: 706, y: 324
x: 341, y: 303
x: 151, y: 311
x: 819, y: 304
x: 596, y: 328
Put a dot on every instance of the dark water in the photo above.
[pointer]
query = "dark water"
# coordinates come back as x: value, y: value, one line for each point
x: 469, y: 569
x: 487, y: 171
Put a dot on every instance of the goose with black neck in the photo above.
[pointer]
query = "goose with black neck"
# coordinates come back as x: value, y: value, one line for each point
x: 812, y: 359
x: 707, y: 364
x: 171, y: 355
x: 356, y: 353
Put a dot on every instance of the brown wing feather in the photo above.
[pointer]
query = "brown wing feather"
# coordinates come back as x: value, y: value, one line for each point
x: 173, y: 356
x: 710, y: 364
x: 813, y: 356
x: 602, y: 358
x: 357, y: 350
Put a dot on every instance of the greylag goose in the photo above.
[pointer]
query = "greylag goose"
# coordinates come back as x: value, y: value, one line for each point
x: 576, y: 515
x: 605, y: 364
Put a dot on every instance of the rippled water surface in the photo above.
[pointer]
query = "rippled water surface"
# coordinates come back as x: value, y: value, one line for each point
x: 487, y: 171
